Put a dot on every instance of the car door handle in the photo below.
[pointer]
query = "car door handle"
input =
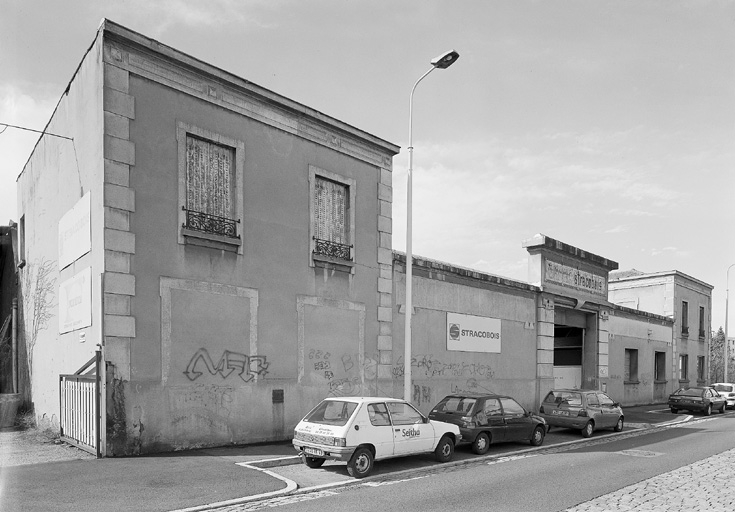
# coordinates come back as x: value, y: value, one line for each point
x: 398, y: 430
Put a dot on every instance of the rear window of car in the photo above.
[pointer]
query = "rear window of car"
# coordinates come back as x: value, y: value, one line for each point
x: 724, y: 387
x: 331, y: 412
x: 689, y: 392
x: 461, y: 405
x: 564, y: 397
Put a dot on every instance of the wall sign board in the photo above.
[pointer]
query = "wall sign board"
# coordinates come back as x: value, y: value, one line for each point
x: 75, y: 302
x: 75, y: 239
x: 468, y: 333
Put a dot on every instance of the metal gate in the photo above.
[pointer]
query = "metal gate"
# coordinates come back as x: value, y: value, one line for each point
x: 80, y: 406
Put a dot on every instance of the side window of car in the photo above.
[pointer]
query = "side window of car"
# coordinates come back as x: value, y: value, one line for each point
x: 404, y: 414
x: 592, y: 400
x: 378, y: 414
x: 605, y: 400
x: 492, y: 407
x: 511, y: 407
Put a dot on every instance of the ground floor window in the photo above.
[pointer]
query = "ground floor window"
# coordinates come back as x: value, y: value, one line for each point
x: 631, y: 365
x: 659, y: 369
x: 700, y: 368
x: 684, y: 367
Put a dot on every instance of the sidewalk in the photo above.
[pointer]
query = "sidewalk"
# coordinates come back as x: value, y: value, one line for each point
x: 169, y: 481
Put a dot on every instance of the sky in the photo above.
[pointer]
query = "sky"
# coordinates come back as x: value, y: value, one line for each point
x: 608, y: 125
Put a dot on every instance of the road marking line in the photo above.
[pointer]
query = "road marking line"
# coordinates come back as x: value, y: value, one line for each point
x: 290, y: 486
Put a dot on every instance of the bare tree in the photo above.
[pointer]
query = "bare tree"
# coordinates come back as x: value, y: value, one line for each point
x: 717, y: 356
x: 37, y: 294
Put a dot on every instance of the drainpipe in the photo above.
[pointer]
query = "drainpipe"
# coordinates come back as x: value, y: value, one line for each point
x: 15, y: 344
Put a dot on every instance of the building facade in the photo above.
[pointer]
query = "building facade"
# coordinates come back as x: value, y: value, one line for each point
x: 227, y: 248
x: 686, y: 300
x: 558, y: 330
x: 229, y: 253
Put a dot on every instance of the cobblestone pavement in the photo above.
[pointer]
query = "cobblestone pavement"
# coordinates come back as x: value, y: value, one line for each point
x: 696, y: 487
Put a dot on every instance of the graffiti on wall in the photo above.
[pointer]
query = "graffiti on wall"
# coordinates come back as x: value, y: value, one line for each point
x: 427, y: 365
x: 422, y: 394
x: 201, y: 406
x: 341, y: 372
x: 246, y: 367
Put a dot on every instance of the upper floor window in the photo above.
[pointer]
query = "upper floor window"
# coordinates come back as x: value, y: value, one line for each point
x: 684, y: 318
x: 210, y: 188
x: 701, y: 322
x: 332, y: 216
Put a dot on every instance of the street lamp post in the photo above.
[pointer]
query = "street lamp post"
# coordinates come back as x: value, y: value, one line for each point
x: 727, y: 311
x: 443, y: 61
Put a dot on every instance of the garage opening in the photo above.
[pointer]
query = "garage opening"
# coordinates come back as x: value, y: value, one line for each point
x: 568, y: 356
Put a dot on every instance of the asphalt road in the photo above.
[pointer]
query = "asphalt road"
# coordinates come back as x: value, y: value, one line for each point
x: 551, y: 479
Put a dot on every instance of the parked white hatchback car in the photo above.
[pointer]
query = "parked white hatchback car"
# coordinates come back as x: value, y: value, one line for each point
x: 727, y: 390
x: 361, y: 430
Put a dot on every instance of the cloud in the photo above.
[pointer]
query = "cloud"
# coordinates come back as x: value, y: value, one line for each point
x: 210, y: 14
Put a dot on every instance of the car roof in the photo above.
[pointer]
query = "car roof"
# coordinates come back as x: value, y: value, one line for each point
x: 475, y: 395
x: 571, y: 390
x: 363, y: 399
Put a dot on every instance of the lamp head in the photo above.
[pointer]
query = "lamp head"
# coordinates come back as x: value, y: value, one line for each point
x: 445, y: 60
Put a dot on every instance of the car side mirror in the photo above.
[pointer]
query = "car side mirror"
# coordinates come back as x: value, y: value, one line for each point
x: 616, y: 404
x: 426, y: 419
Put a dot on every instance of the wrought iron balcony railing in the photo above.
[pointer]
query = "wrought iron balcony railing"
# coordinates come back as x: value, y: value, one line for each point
x: 333, y: 249
x: 206, y: 223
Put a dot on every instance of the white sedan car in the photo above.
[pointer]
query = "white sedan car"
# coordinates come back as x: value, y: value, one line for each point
x: 727, y: 390
x: 362, y: 430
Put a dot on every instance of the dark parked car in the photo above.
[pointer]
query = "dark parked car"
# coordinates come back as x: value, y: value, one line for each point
x: 487, y: 419
x: 584, y: 409
x: 700, y: 398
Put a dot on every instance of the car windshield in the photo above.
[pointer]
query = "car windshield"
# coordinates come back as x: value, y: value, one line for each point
x: 724, y: 387
x: 564, y: 397
x: 331, y: 412
x: 457, y: 404
x: 690, y: 392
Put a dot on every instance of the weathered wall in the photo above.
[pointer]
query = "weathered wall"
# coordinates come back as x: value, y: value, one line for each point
x: 58, y: 173
x: 647, y: 335
x: 234, y: 347
x: 437, y: 371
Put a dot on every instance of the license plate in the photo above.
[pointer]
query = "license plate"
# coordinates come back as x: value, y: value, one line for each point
x: 313, y: 451
x: 560, y: 413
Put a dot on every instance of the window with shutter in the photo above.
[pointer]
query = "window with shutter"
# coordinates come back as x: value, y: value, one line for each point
x: 332, y: 216
x: 210, y: 188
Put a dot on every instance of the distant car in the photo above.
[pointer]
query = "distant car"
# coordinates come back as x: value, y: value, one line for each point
x: 487, y: 419
x: 727, y: 390
x: 361, y: 430
x: 583, y: 409
x: 699, y: 398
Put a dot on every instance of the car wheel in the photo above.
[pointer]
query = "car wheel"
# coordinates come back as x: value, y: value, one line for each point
x: 674, y: 411
x: 481, y: 444
x: 708, y: 410
x: 619, y: 425
x: 722, y: 409
x: 444, y: 450
x: 588, y: 429
x: 313, y: 462
x: 537, y: 438
x: 361, y: 463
